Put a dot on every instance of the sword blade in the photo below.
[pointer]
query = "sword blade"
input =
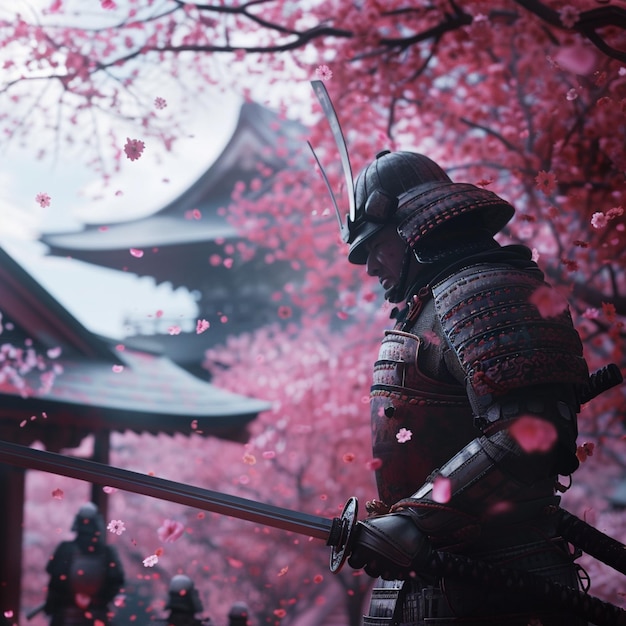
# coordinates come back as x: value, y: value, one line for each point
x: 187, y: 495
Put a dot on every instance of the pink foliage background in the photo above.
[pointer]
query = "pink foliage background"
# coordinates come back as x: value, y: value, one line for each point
x: 512, y: 96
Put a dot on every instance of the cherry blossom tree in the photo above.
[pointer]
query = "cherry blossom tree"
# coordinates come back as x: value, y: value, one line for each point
x: 524, y: 97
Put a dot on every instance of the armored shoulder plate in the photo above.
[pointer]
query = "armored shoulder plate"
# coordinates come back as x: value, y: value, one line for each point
x: 499, y: 336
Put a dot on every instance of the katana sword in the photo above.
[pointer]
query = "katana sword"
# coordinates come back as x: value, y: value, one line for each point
x: 334, y: 531
x: 339, y: 532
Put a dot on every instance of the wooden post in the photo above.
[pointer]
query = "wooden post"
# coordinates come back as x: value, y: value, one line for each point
x: 12, y: 482
x: 101, y: 452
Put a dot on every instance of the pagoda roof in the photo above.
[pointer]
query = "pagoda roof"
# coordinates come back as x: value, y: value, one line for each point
x: 102, y: 386
x: 257, y: 143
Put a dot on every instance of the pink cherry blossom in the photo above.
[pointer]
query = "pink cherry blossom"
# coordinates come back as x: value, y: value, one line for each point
x: 599, y: 220
x: 170, y: 531
x: 118, y: 368
x: 591, y: 313
x: 55, y: 6
x: 324, y: 72
x: 108, y: 4
x: 160, y: 103
x: 614, y: 212
x: 534, y: 434
x: 116, y: 526
x: 577, y: 58
x: 584, y: 451
x: 43, y: 199
x: 201, y: 326
x: 109, y: 490
x: 136, y: 252
x: 151, y: 561
x: 54, y: 353
x: 404, y: 435
x: 194, y: 214
x: 249, y: 459
x: 546, y: 182
x: 548, y: 301
x: 134, y: 148
x: 174, y: 330
x: 569, y: 15
x: 284, y: 312
x: 609, y: 311
x: 374, y: 464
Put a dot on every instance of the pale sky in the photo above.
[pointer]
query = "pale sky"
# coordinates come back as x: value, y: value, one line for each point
x: 100, y: 297
x: 97, y: 296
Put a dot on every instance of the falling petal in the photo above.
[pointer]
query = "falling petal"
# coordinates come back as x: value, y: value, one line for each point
x: 442, y: 489
x: 534, y: 434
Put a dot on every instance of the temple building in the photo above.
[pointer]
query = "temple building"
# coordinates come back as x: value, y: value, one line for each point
x: 60, y: 383
x: 180, y: 249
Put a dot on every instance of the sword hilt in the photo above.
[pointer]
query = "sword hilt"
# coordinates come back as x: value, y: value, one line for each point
x: 341, y: 533
x: 602, y: 380
x: 542, y: 592
x: 592, y: 541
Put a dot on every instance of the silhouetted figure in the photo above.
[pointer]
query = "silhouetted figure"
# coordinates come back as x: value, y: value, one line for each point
x: 184, y: 602
x: 85, y: 574
x: 238, y: 614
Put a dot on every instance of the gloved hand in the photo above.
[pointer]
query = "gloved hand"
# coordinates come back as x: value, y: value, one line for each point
x: 390, y: 546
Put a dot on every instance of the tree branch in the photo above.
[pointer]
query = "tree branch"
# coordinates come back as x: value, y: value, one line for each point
x: 588, y: 24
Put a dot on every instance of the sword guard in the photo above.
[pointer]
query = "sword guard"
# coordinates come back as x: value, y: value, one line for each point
x: 340, y: 536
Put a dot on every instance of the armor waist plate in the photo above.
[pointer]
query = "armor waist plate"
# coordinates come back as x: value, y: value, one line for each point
x: 437, y: 414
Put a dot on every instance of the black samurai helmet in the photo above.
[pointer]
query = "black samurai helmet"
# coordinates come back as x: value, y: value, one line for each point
x: 413, y: 193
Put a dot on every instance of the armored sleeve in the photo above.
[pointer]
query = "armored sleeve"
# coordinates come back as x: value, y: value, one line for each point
x: 500, y: 337
x: 516, y: 364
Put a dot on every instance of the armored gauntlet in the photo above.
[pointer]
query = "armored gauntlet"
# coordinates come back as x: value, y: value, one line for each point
x: 390, y: 546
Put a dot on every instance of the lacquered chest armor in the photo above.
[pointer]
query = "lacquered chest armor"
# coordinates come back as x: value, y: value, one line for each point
x: 437, y: 414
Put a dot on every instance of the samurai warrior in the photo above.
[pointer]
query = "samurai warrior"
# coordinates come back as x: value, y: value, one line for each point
x: 183, y: 603
x: 238, y: 614
x: 487, y: 386
x: 85, y: 574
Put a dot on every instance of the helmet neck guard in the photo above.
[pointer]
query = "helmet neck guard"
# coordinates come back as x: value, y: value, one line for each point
x: 413, y: 193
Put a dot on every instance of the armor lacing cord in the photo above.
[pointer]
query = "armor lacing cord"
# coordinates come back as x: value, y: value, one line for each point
x: 376, y: 507
x: 415, y: 305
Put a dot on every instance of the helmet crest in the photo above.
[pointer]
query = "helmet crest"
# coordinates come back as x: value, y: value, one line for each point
x: 413, y: 193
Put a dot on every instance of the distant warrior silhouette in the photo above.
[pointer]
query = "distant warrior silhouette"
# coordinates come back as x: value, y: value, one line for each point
x: 85, y: 574
x: 238, y: 614
x: 184, y: 602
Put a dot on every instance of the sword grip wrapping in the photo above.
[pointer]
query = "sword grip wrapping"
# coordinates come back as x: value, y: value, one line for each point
x: 542, y: 594
x: 602, y: 380
x: 592, y: 541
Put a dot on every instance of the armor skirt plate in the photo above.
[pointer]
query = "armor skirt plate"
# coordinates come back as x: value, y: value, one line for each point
x: 420, y: 602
